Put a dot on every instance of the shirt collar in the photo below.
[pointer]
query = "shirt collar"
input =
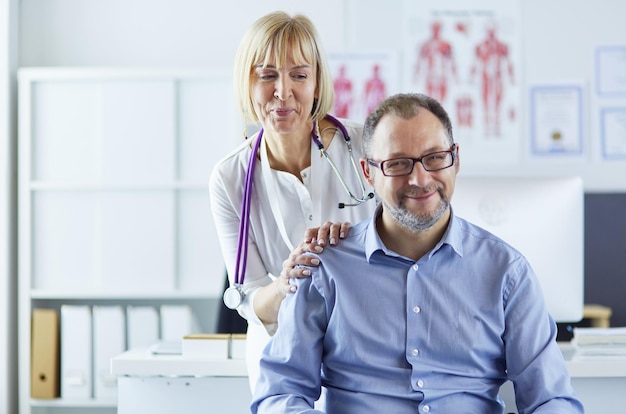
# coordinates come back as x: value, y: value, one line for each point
x: 453, y: 237
x: 373, y: 243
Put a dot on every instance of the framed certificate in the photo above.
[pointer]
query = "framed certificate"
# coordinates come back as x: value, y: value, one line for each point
x: 556, y: 120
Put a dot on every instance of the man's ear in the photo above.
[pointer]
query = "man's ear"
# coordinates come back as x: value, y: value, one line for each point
x: 457, y: 163
x: 365, y: 167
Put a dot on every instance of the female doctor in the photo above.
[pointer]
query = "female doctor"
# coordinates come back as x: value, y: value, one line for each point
x: 298, y: 172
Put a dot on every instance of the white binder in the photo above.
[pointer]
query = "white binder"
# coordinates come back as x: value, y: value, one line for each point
x: 176, y: 322
x: 109, y: 340
x: 142, y: 326
x: 76, y: 373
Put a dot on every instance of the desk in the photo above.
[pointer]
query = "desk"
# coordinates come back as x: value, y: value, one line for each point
x: 165, y: 384
x: 599, y: 382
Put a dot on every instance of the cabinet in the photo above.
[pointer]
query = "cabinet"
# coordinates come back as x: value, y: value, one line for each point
x: 113, y: 195
x: 165, y: 384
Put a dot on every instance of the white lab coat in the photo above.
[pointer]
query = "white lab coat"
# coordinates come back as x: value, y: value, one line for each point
x: 302, y: 205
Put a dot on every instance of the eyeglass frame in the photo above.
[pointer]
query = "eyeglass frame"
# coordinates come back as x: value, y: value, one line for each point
x: 379, y: 164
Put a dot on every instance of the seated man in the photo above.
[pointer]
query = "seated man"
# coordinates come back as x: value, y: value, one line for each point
x: 417, y: 310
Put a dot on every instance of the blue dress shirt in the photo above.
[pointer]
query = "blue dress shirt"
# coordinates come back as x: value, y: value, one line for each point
x: 439, y: 335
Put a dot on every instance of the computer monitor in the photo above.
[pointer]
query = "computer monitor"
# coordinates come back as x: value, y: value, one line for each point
x: 543, y: 219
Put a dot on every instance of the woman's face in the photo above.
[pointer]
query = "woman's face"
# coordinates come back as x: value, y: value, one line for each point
x: 283, y: 97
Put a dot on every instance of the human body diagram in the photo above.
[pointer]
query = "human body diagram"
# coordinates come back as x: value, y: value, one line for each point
x: 469, y: 70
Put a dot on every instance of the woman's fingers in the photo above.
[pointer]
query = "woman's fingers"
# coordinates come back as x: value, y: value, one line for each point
x: 298, y: 263
x: 327, y: 233
x: 311, y: 234
x: 344, y: 229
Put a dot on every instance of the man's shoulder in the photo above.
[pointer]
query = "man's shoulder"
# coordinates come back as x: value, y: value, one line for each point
x: 349, y: 249
x: 478, y: 233
x: 357, y: 233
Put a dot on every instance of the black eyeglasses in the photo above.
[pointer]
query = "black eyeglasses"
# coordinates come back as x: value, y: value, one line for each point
x: 434, y: 161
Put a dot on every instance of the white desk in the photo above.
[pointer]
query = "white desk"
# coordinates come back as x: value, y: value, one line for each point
x: 165, y: 384
x: 599, y: 382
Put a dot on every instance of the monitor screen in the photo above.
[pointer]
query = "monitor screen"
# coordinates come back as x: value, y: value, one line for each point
x: 543, y: 219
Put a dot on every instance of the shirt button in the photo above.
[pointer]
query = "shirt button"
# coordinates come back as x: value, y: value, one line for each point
x: 415, y: 267
x: 310, y: 217
x: 420, y: 383
x: 427, y: 408
x: 303, y: 175
x: 417, y: 309
x: 415, y: 352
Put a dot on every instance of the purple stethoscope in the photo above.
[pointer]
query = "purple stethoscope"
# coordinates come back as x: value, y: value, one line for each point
x: 234, y: 295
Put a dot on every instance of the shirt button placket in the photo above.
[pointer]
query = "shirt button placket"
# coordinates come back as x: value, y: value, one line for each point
x: 415, y: 351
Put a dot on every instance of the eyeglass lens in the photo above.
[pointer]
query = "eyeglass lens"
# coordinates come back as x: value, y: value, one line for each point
x: 430, y: 162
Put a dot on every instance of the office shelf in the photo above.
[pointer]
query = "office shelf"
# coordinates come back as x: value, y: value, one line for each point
x: 49, y: 294
x: 114, y: 206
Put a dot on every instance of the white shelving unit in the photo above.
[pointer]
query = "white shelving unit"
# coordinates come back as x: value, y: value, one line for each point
x: 113, y: 195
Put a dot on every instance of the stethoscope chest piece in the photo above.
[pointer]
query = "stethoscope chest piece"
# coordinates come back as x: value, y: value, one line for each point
x: 233, y: 296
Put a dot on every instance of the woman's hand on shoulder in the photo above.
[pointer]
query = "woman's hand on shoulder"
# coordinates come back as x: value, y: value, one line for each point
x: 328, y: 233
x: 298, y: 264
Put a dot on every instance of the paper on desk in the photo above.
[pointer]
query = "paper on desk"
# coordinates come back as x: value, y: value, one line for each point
x: 600, y: 341
x: 587, y: 336
x: 166, y: 348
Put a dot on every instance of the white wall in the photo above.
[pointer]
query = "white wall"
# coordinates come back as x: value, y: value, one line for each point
x: 559, y: 37
x: 152, y: 32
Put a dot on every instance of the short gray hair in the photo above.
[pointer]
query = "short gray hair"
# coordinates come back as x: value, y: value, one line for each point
x: 406, y: 106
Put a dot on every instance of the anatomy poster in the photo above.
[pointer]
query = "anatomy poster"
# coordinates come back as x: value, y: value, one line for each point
x: 361, y: 81
x: 468, y: 57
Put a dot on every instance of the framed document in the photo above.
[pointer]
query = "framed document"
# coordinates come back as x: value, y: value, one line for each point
x: 556, y: 120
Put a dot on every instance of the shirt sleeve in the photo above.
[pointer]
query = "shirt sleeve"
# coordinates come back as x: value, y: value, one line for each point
x: 225, y: 206
x: 290, y: 379
x: 534, y: 361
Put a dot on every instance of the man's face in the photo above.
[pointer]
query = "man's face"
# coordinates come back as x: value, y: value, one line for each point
x: 418, y: 200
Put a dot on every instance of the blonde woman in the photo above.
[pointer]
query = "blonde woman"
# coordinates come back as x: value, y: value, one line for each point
x: 299, y: 172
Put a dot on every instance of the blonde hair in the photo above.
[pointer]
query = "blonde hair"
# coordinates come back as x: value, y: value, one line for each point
x: 279, y: 36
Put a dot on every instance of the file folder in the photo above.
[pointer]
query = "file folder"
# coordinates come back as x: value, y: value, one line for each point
x: 109, y: 340
x: 44, y: 359
x: 142, y: 326
x: 76, y: 352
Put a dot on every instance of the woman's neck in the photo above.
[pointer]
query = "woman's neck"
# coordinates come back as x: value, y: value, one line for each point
x: 289, y: 152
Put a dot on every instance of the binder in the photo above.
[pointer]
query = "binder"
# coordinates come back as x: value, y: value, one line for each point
x: 176, y: 322
x: 142, y: 326
x: 76, y: 352
x: 109, y: 340
x: 44, y: 358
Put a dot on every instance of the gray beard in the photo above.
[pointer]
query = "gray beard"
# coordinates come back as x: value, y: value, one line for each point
x: 416, y: 223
